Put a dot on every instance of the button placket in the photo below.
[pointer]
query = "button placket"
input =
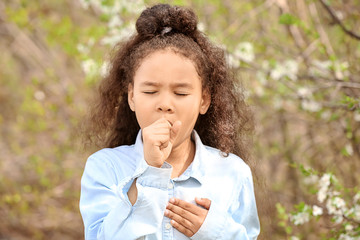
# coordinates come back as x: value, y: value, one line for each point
x: 167, y: 227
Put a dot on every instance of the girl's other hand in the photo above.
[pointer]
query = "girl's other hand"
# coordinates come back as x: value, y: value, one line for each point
x: 187, y: 218
x: 158, y: 141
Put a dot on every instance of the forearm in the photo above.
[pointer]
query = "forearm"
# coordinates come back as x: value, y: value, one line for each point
x: 132, y: 193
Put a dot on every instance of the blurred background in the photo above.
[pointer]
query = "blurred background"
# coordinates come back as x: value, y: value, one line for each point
x: 299, y: 61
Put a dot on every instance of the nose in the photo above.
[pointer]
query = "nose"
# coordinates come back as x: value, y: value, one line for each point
x: 164, y: 107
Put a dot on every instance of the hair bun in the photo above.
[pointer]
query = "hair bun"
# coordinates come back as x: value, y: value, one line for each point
x: 152, y: 21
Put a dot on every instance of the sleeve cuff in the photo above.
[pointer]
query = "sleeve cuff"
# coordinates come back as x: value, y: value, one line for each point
x: 156, y: 177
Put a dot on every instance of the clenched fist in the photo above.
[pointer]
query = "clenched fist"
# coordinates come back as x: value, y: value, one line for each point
x: 158, y: 139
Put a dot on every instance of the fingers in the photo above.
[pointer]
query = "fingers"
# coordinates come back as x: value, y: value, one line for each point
x: 183, y: 220
x: 183, y: 205
x: 158, y: 132
x: 186, y: 217
x: 204, y: 202
x: 180, y: 223
x: 182, y: 229
x: 158, y: 139
x: 181, y: 211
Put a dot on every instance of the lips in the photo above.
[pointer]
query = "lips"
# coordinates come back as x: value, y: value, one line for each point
x: 171, y: 123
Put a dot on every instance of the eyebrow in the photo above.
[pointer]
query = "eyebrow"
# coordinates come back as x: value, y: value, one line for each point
x: 175, y: 85
x: 148, y: 83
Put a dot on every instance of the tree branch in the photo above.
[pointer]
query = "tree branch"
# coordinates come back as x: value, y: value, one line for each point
x: 337, y: 20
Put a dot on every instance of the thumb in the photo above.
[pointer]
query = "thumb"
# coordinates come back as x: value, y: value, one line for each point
x: 204, y: 202
x: 174, y: 131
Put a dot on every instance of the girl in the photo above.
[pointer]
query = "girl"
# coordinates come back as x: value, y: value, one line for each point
x: 169, y: 115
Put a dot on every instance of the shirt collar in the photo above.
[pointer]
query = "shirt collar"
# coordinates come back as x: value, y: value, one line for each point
x: 197, y: 167
x: 195, y: 170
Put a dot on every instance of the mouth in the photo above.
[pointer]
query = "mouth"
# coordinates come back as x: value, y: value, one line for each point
x: 171, y: 123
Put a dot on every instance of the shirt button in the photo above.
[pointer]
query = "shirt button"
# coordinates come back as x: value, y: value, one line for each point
x: 168, y: 226
x: 170, y: 185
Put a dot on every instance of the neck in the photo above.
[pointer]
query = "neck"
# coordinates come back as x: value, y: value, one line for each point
x: 181, y: 157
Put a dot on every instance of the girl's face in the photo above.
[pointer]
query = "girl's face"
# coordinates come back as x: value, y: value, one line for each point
x: 166, y: 84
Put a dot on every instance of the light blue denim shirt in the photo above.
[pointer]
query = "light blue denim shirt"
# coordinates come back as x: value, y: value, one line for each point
x: 108, y: 214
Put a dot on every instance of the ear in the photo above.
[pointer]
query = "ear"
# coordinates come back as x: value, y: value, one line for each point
x: 131, y: 97
x: 205, y: 101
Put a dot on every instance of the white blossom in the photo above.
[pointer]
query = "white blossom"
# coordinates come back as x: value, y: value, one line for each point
x: 90, y: 67
x: 265, y: 65
x: 304, y: 92
x: 357, y: 117
x: 233, y: 61
x: 330, y: 207
x: 338, y: 219
x: 324, y: 184
x: 82, y: 48
x: 201, y: 27
x: 345, y: 237
x: 39, y: 95
x: 104, y: 69
x: 278, y: 72
x: 85, y: 48
x: 115, y: 21
x: 317, y: 211
x: 292, y: 67
x: 325, y: 180
x: 322, y: 194
x: 259, y: 90
x: 246, y: 93
x: 341, y: 69
x: 310, y: 105
x: 349, y: 149
x: 261, y: 77
x: 325, y: 115
x: 356, y: 197
x: 339, y: 203
x: 336, y: 206
x: 294, y: 238
x: 244, y: 51
x: 300, y: 218
x: 84, y: 3
x: 326, y: 68
x: 321, y: 68
x: 356, y: 212
x: 278, y: 103
x: 134, y: 6
x: 339, y: 14
x: 288, y: 68
x: 349, y: 227
x: 333, y: 193
x: 312, y: 179
x: 116, y: 35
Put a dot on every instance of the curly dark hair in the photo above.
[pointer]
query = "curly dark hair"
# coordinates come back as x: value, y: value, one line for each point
x: 228, y: 123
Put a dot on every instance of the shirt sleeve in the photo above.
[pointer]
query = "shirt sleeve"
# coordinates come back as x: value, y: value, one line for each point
x: 106, y: 210
x: 242, y: 224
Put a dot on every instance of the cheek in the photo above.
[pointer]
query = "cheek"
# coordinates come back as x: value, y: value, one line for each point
x: 143, y: 115
x: 189, y: 112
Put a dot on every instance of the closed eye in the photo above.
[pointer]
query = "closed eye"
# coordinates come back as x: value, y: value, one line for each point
x: 182, y: 94
x: 149, y: 92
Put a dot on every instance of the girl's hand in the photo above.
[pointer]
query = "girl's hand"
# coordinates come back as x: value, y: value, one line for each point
x: 187, y: 218
x: 158, y: 141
